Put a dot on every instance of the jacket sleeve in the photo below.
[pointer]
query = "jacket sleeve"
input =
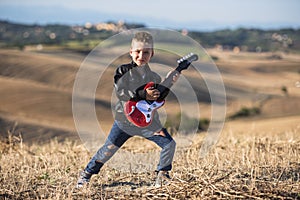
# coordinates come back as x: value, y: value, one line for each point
x: 123, y: 87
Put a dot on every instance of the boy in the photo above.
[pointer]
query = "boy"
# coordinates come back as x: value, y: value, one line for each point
x: 129, y: 83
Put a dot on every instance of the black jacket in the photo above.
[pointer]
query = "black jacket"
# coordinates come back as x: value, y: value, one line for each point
x: 129, y: 85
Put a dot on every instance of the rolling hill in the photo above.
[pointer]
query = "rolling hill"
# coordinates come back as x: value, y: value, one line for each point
x: 36, y: 89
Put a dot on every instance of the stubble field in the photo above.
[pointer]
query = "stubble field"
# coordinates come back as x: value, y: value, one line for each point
x: 246, y: 165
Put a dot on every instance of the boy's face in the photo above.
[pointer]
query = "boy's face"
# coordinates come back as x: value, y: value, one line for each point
x: 141, y: 53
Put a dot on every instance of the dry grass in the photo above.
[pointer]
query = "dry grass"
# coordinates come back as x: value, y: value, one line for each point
x: 241, y: 166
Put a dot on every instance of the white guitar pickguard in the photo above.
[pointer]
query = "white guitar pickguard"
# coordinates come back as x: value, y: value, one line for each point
x: 147, y: 109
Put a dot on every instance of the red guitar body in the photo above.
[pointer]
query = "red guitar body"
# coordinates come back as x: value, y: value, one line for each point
x: 140, y: 113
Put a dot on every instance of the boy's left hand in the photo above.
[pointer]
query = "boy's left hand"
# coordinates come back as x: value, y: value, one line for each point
x: 175, y: 77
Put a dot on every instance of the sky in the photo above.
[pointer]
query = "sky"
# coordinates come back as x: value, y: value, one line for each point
x: 175, y: 14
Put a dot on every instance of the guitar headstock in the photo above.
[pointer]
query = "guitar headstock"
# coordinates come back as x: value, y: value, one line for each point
x: 185, y: 61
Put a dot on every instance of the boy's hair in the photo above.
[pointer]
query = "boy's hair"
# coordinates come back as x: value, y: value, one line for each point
x: 144, y: 37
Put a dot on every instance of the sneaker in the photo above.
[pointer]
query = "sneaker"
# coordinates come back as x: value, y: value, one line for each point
x: 84, y: 178
x: 162, y: 178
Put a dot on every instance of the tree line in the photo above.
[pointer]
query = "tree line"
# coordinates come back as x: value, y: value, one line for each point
x: 20, y: 35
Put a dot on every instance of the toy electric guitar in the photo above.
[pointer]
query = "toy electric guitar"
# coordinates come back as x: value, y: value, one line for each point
x: 140, y: 113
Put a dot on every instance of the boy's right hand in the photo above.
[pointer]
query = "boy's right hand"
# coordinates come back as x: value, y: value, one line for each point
x: 152, y: 94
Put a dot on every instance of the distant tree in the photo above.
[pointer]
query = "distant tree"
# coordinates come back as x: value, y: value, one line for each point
x: 284, y: 90
x: 12, y: 34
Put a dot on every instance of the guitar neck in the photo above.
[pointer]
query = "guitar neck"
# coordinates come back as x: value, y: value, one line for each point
x: 183, y: 64
x: 168, y: 82
x: 165, y: 86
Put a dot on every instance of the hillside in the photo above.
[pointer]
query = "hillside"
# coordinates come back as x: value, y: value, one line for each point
x: 36, y: 89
